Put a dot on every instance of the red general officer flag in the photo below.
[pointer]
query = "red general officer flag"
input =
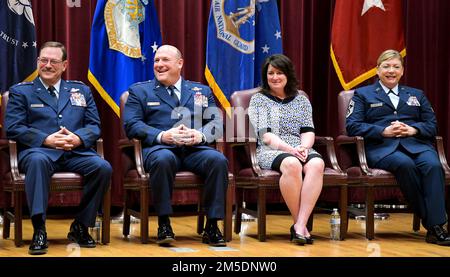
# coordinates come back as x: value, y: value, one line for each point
x: 362, y: 30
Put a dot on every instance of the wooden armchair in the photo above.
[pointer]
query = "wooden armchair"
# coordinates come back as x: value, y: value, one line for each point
x: 136, y: 179
x: 14, y: 183
x: 249, y: 176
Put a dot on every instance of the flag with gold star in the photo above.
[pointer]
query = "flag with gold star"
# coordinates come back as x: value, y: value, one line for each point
x: 361, y: 31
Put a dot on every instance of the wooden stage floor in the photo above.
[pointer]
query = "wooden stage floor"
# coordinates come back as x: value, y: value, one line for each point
x: 393, y: 238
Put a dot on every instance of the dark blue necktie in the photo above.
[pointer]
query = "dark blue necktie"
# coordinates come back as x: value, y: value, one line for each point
x: 52, y: 92
x: 174, y: 96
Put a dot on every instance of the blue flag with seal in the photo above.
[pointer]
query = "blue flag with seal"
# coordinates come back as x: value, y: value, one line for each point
x: 124, y: 38
x: 241, y: 34
x: 17, y: 43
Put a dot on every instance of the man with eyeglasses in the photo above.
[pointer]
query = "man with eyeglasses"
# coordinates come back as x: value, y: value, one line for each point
x: 399, y: 126
x: 56, y: 124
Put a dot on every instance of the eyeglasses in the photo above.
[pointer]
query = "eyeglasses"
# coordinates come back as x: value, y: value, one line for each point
x: 52, y: 62
x: 387, y: 67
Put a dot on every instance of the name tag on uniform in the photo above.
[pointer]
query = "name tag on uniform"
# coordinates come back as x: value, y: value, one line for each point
x: 77, y: 99
x: 375, y: 105
x: 412, y: 101
x: 153, y: 103
x: 36, y: 105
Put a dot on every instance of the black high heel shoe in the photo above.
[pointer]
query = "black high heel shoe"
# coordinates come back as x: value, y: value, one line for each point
x: 309, y: 240
x: 296, y: 238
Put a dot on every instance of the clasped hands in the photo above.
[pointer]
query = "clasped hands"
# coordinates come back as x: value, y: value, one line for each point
x: 63, y: 139
x: 182, y: 135
x: 399, y: 129
x: 301, y: 152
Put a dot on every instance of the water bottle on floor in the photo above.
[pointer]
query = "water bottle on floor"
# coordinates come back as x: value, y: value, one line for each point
x: 335, y: 225
x: 96, y: 230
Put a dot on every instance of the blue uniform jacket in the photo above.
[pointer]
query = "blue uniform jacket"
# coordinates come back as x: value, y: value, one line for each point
x: 150, y: 110
x: 371, y: 111
x: 32, y: 115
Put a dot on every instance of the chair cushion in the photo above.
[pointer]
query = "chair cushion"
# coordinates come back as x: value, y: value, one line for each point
x: 187, y: 177
x: 268, y: 177
x: 61, y: 181
x: 379, y: 177
x: 332, y: 177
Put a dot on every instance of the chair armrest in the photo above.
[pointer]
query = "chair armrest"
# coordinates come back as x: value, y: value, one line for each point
x: 99, y: 147
x: 255, y: 166
x: 328, y: 142
x: 250, y: 143
x: 360, y: 150
x: 441, y: 153
x: 139, y: 158
x: 13, y: 160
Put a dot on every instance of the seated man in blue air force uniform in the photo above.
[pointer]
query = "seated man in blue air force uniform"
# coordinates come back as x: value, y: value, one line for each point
x: 56, y: 124
x: 399, y: 126
x: 176, y: 119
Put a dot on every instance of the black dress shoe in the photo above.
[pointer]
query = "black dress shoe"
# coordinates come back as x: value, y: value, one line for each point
x: 438, y: 235
x: 309, y: 240
x: 39, y: 244
x: 213, y: 236
x: 165, y: 234
x: 80, y: 234
x: 296, y: 238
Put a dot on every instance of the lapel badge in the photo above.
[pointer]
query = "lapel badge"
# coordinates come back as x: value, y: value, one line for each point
x: 72, y: 90
x: 77, y: 99
x: 198, y: 98
x: 413, y: 101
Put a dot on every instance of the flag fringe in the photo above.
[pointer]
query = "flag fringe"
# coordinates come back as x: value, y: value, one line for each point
x: 103, y: 93
x: 217, y: 91
x: 361, y: 78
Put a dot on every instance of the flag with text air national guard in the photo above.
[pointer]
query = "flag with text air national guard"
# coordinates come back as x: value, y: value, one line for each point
x: 124, y: 38
x: 17, y: 43
x: 241, y: 34
x: 362, y: 30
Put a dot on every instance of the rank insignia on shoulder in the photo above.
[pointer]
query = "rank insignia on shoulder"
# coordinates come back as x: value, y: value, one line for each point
x: 24, y: 83
x: 75, y: 81
x: 143, y: 82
